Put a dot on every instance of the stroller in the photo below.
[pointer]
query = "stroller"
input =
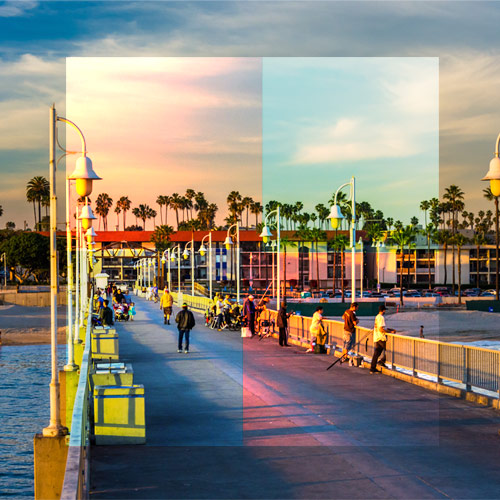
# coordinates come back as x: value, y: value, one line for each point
x: 121, y: 313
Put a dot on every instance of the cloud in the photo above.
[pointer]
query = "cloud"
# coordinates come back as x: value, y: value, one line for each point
x: 15, y: 8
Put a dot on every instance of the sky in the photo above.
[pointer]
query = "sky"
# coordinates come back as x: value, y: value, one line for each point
x: 159, y: 125
x: 36, y: 38
x: 327, y: 119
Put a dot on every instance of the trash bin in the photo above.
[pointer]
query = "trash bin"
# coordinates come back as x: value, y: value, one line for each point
x: 104, y: 344
x: 112, y: 374
x: 119, y: 416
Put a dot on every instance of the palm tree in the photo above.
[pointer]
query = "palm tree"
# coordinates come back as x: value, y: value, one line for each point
x: 190, y: 195
x: 152, y: 215
x: 323, y: 213
x: 316, y: 235
x: 124, y: 204
x: 443, y: 238
x: 402, y: 237
x: 285, y: 242
x: 161, y: 202
x: 246, y: 203
x: 176, y: 204
x: 429, y: 232
x: 340, y: 243
x: 478, y: 240
x: 143, y: 212
x: 454, y: 195
x: 460, y: 240
x: 489, y: 196
x: 37, y: 188
x: 117, y: 212
x: 256, y: 209
x: 103, y: 204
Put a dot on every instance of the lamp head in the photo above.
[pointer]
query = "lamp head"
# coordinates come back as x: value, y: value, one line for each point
x: 86, y: 217
x: 172, y: 258
x: 203, y: 250
x: 266, y: 234
x: 185, y: 254
x: 84, y: 175
x: 228, y: 242
x: 493, y: 176
x: 336, y: 216
x: 163, y: 260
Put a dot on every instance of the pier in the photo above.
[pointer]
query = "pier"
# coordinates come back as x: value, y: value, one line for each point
x: 244, y: 418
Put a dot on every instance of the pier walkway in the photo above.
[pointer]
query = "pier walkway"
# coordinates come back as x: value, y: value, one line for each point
x: 243, y: 418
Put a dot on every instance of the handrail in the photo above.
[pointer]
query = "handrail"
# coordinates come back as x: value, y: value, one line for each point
x: 75, y: 484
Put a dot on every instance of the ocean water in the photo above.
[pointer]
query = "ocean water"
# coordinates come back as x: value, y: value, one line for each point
x: 24, y: 411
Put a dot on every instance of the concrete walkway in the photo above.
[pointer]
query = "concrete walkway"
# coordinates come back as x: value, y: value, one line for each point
x: 243, y: 418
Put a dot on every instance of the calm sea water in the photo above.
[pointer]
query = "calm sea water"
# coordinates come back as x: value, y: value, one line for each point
x: 24, y: 411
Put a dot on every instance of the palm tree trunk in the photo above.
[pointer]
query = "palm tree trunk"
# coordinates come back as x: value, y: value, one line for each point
x: 177, y: 217
x: 34, y: 212
x: 401, y: 276
x: 144, y: 224
x: 284, y: 273
x: 459, y: 275
x: 445, y: 248
x: 342, y: 257
x: 317, y: 265
x: 429, y: 260
x: 39, y: 214
x: 161, y: 217
x: 477, y: 268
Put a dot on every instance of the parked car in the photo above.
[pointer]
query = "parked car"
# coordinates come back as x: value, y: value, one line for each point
x: 430, y: 294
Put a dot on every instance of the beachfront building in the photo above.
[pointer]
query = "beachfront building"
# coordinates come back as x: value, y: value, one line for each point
x: 306, y: 264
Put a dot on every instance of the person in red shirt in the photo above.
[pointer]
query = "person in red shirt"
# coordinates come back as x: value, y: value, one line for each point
x: 350, y: 323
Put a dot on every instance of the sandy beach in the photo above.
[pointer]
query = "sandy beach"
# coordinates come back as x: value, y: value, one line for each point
x: 21, y: 325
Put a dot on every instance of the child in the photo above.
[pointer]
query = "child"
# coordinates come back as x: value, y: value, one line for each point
x: 131, y: 311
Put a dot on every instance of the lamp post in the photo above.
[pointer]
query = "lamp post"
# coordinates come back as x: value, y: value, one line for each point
x: 185, y: 255
x: 265, y: 235
x: 493, y: 176
x: 84, y: 175
x: 336, y: 216
x: 3, y: 259
x: 202, y: 251
x: 163, y: 260
x: 172, y: 258
x: 228, y: 242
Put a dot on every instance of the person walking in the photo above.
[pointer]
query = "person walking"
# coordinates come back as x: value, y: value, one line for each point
x: 249, y: 313
x: 379, y: 339
x: 185, y: 323
x: 282, y: 323
x: 166, y: 304
x: 349, y: 336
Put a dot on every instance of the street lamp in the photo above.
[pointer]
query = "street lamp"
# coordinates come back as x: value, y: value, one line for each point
x: 336, y: 217
x: 185, y: 256
x: 493, y: 176
x: 163, y: 260
x: 84, y: 175
x: 265, y: 235
x: 228, y: 242
x: 172, y: 258
x: 203, y: 251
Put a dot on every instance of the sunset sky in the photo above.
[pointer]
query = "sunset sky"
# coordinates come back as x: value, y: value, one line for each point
x: 37, y: 38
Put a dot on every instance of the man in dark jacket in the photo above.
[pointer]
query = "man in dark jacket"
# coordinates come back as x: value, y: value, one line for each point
x: 282, y: 323
x: 249, y: 313
x: 185, y: 322
x: 106, y: 314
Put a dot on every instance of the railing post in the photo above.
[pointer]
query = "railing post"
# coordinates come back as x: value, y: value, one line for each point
x: 393, y: 342
x: 414, y: 348
x: 466, y: 369
x: 438, y: 363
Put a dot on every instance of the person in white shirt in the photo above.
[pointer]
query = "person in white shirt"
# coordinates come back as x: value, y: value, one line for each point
x: 317, y: 329
x: 379, y: 339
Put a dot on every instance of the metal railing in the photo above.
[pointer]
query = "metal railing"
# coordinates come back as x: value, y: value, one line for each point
x: 76, y: 476
x: 472, y: 367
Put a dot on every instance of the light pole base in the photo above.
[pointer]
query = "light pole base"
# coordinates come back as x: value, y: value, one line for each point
x: 55, y: 431
x: 71, y: 368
